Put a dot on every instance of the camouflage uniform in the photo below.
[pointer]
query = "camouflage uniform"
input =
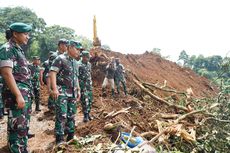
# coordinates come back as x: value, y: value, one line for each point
x: 45, y: 67
x: 35, y: 74
x: 85, y: 83
x: 67, y: 83
x: 11, y: 55
x: 119, y: 77
x: 51, y: 102
x: 1, y: 101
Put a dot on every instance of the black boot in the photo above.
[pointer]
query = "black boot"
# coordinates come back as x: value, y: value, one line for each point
x: 59, y: 139
x: 86, y: 117
x: 103, y: 92
x: 113, y: 93
x: 30, y: 135
x: 70, y: 137
x: 37, y: 109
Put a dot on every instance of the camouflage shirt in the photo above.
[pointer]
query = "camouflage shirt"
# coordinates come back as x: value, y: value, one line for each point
x: 12, y: 55
x: 67, y: 75
x: 45, y: 67
x: 119, y: 72
x: 35, y: 74
x: 85, y: 79
x: 53, y: 56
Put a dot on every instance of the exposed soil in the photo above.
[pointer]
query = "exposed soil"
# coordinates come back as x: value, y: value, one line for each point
x: 149, y: 68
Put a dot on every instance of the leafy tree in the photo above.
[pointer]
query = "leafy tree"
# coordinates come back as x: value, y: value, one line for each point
x: 49, y: 38
x: 184, y: 57
x: 156, y: 51
x: 2, y: 38
x: 214, y: 63
x: 10, y: 15
x: 87, y: 44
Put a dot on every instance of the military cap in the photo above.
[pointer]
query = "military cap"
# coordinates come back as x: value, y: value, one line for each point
x: 63, y: 41
x: 85, y: 53
x: 36, y: 58
x: 76, y: 44
x: 20, y: 27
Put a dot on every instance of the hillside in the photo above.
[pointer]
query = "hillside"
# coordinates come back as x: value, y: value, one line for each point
x: 139, y: 109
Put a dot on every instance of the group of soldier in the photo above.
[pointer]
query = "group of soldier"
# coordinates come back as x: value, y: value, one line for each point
x: 67, y: 74
x: 115, y: 72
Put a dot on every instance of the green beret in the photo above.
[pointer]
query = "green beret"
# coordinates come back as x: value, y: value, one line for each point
x: 20, y: 27
x: 85, y: 53
x: 76, y: 44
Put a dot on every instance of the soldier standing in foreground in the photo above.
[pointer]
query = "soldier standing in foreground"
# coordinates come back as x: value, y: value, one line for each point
x: 62, y: 47
x: 85, y: 82
x: 17, y: 86
x: 66, y: 91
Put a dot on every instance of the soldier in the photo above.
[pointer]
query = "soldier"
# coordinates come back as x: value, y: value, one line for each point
x: 62, y: 47
x: 109, y: 77
x: 35, y: 78
x: 119, y: 76
x: 65, y: 90
x: 85, y: 82
x: 45, y: 70
x: 1, y: 101
x: 16, y: 86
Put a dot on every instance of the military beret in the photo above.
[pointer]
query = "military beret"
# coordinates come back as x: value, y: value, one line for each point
x: 36, y: 58
x: 85, y: 53
x: 20, y: 27
x: 63, y: 41
x: 76, y: 44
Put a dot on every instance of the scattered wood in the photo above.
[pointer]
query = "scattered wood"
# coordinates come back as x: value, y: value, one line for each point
x: 158, y: 98
x: 114, y: 114
x: 146, y: 84
x: 168, y: 116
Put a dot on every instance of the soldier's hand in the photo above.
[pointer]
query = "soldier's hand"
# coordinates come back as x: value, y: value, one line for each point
x: 20, y: 102
x: 78, y: 96
x: 55, y: 93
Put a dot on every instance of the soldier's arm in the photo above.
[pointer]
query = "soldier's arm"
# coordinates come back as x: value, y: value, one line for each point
x: 54, y: 69
x: 53, y: 81
x: 6, y: 73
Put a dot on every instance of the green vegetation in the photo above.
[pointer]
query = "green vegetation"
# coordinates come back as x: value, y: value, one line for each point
x: 43, y: 38
x: 215, y: 68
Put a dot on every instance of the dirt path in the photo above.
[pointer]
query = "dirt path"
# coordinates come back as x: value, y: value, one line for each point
x: 42, y: 124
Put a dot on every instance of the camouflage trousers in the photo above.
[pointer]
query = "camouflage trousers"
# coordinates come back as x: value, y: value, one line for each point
x: 37, y: 98
x: 1, y: 104
x: 65, y: 115
x: 117, y: 83
x: 51, y: 103
x: 86, y: 101
x: 18, y: 124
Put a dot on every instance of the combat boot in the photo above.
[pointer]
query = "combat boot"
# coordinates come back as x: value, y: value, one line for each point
x: 86, y: 117
x: 70, y: 137
x: 113, y: 93
x: 103, y: 92
x: 59, y: 139
x: 118, y: 91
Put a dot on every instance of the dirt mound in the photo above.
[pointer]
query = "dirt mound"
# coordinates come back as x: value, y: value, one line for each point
x: 167, y: 80
x: 153, y: 68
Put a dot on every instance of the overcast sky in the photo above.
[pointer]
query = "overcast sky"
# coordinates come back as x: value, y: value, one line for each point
x: 134, y: 26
